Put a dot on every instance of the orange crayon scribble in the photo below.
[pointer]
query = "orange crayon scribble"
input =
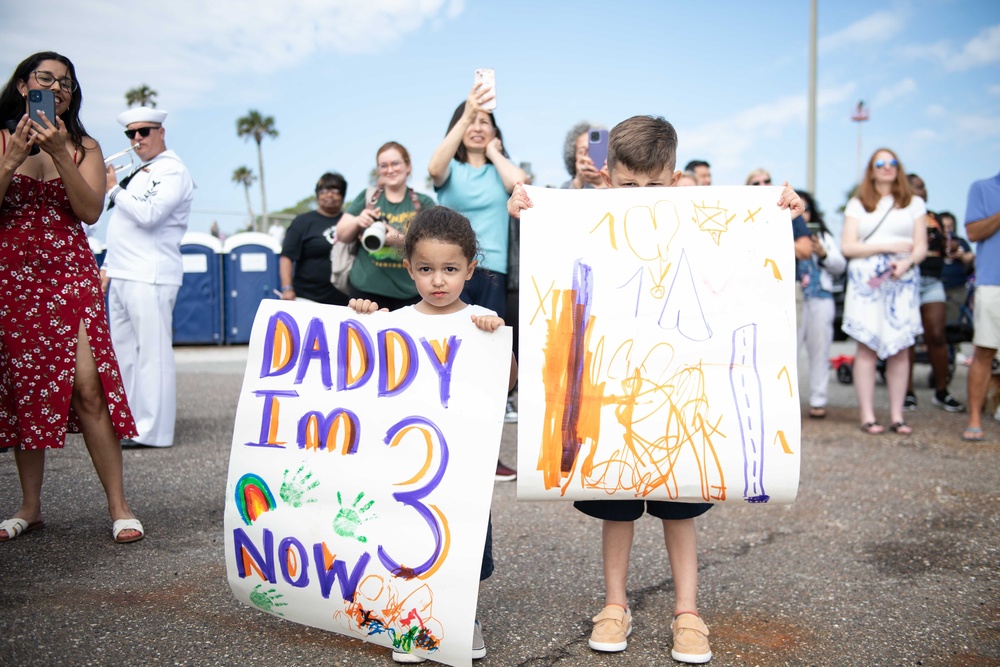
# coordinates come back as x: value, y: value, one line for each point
x: 751, y: 215
x: 788, y: 378
x: 780, y: 436
x: 380, y: 608
x: 567, y: 379
x: 611, y: 228
x: 665, y: 427
x: 774, y: 268
x: 541, y: 299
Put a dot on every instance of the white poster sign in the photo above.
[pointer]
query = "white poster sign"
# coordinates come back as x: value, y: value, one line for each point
x: 658, y: 346
x: 361, y: 473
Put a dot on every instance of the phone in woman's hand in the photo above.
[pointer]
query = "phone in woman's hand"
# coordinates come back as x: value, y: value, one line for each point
x: 488, y: 77
x: 44, y: 101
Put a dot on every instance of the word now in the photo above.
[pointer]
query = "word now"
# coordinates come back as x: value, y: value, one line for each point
x: 355, y: 356
x: 293, y: 559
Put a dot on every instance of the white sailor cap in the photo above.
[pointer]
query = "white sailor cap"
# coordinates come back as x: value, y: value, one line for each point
x: 142, y: 115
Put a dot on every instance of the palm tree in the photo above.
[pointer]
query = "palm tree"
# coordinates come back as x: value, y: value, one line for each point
x: 142, y: 95
x: 244, y: 176
x: 257, y: 126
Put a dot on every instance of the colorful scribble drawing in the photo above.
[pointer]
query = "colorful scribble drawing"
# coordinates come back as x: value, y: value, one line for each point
x: 267, y: 600
x: 653, y: 446
x: 349, y: 519
x: 253, y: 497
x: 295, y: 489
x: 748, y: 398
x: 712, y: 219
x: 408, y: 623
x: 670, y: 430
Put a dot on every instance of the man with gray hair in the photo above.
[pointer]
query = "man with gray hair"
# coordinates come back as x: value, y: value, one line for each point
x: 149, y: 215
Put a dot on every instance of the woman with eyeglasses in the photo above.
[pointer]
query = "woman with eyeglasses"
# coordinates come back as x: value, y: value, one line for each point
x: 380, y: 218
x: 885, y: 237
x: 58, y: 371
x: 304, y: 266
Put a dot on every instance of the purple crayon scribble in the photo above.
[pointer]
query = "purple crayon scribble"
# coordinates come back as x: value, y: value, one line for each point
x: 744, y: 379
x: 583, y: 290
x: 682, y: 308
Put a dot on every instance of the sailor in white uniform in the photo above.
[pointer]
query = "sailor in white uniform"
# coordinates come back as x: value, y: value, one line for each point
x: 149, y: 215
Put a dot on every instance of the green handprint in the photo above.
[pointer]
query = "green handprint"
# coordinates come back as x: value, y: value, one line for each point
x: 349, y: 519
x: 267, y: 600
x: 294, y: 489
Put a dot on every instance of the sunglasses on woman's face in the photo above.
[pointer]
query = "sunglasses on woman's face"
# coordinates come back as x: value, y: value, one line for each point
x: 766, y: 181
x: 142, y: 132
x: 886, y: 163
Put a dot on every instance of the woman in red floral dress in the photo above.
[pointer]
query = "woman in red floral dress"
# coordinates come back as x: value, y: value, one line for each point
x: 58, y: 371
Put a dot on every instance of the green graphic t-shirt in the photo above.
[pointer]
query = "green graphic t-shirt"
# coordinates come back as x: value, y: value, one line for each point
x: 382, y: 272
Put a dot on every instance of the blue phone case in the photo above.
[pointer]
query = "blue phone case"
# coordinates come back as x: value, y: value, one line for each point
x: 598, y: 150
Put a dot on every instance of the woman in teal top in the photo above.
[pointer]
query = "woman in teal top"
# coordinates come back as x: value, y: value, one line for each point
x: 380, y: 275
x: 473, y: 175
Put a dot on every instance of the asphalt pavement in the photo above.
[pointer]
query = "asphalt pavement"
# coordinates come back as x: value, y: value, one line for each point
x: 889, y: 556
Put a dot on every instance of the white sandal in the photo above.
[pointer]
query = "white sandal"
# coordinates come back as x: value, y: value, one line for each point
x: 16, y: 527
x: 127, y: 524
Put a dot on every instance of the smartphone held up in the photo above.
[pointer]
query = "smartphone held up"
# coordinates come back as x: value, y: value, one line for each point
x: 44, y: 101
x: 597, y: 147
x: 488, y: 77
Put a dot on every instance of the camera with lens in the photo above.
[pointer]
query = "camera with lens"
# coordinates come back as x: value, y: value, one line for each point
x: 595, y: 136
x: 374, y: 237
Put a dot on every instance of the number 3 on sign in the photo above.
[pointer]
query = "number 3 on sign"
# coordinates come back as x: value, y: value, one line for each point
x: 410, y: 429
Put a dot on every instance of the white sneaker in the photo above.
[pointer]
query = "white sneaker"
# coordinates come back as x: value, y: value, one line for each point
x: 478, y: 643
x: 399, y: 655
x: 511, y: 416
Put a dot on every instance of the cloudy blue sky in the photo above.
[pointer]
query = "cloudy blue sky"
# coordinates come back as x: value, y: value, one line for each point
x: 341, y: 77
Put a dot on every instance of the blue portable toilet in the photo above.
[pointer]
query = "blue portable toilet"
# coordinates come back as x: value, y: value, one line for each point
x: 250, y: 275
x: 98, y: 249
x: 198, y: 309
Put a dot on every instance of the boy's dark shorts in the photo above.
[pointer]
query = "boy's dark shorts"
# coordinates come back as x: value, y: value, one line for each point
x: 631, y: 510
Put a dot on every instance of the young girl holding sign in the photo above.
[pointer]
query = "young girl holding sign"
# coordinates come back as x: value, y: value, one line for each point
x: 440, y: 255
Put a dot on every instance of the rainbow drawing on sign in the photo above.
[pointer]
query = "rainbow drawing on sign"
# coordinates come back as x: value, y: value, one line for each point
x: 253, y: 498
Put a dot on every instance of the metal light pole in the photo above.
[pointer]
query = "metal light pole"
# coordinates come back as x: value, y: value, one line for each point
x: 811, y: 140
x: 859, y: 116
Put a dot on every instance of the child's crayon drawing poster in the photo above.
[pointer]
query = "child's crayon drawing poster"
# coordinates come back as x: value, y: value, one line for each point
x: 658, y: 346
x: 361, y: 472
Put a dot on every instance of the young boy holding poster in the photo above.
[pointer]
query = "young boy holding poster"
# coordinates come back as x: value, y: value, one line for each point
x: 440, y: 255
x: 641, y: 153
